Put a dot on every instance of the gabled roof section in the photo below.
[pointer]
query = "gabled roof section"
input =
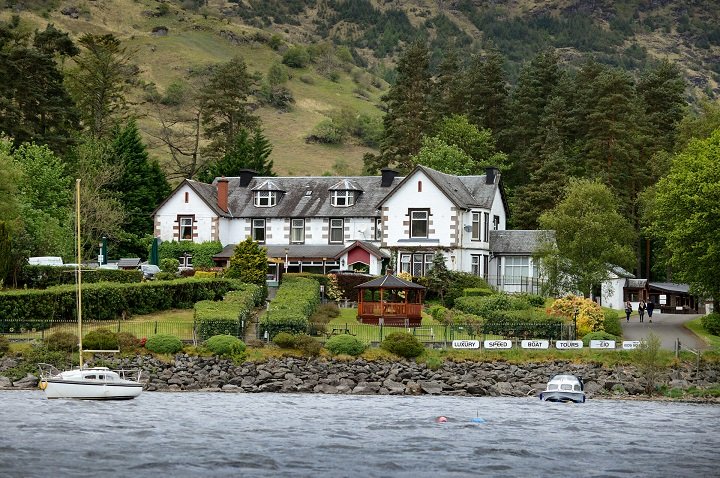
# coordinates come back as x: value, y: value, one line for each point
x: 389, y: 281
x: 206, y: 192
x: 268, y: 185
x: 345, y: 185
x: 464, y: 191
x: 519, y: 242
x: 670, y: 287
x: 295, y: 202
x: 367, y: 246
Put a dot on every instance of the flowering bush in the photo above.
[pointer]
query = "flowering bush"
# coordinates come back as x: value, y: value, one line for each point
x: 590, y: 317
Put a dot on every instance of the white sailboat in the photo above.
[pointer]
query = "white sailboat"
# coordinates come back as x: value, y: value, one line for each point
x: 87, y: 383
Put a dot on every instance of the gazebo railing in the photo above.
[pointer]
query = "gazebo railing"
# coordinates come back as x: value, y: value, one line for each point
x: 389, y: 309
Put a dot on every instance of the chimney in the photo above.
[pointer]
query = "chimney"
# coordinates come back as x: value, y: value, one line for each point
x: 222, y: 193
x: 490, y: 174
x: 246, y: 176
x: 387, y: 177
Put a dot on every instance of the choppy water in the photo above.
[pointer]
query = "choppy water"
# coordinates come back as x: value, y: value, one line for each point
x: 217, y: 434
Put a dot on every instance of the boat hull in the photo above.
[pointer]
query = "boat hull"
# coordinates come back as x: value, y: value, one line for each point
x: 91, y: 391
x: 562, y: 396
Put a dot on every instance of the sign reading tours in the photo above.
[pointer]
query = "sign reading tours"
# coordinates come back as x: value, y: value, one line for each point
x: 569, y: 344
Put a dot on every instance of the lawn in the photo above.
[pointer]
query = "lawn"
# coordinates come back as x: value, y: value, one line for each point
x: 696, y: 326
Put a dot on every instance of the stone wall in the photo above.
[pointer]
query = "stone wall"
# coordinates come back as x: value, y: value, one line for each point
x: 292, y: 375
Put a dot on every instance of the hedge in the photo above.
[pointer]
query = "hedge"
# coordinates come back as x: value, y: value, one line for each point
x: 42, y: 277
x: 201, y: 252
x: 105, y: 301
x: 225, y: 317
x: 295, y: 301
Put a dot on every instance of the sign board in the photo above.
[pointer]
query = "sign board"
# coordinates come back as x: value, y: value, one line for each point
x: 663, y: 299
x: 535, y: 344
x: 630, y: 344
x: 497, y: 344
x: 466, y: 344
x: 569, y: 344
x: 602, y: 344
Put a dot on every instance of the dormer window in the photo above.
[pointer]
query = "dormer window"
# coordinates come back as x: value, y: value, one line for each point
x: 265, y: 198
x: 343, y: 198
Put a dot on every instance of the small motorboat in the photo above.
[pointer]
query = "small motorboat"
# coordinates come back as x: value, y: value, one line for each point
x: 91, y: 383
x: 564, y: 388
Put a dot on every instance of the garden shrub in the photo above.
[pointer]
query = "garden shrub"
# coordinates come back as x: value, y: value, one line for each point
x: 62, y: 341
x: 164, y: 344
x: 284, y: 340
x: 492, y: 306
x: 345, y: 344
x: 308, y: 345
x: 225, y: 345
x: 534, y: 300
x: 590, y: 317
x: 711, y: 323
x: 611, y: 323
x: 31, y: 357
x: 4, y: 345
x: 201, y: 252
x: 169, y: 265
x: 459, y: 281
x: 295, y: 301
x: 330, y: 310
x: 100, y: 339
x: 42, y: 277
x: 225, y: 317
x: 127, y: 342
x: 477, y: 292
x: 599, y: 335
x: 403, y: 344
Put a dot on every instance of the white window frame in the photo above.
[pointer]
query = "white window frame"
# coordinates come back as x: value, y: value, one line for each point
x: 486, y: 229
x: 185, y: 261
x: 419, y: 216
x: 496, y: 223
x: 475, y: 234
x: 343, y: 198
x: 405, y: 263
x: 297, y: 231
x: 335, y: 227
x: 475, y: 267
x: 265, y: 198
x: 517, y: 268
x: 258, y: 225
x: 185, y: 223
x: 378, y: 229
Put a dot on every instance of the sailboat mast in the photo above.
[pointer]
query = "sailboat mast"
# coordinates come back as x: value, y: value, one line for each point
x: 79, y: 269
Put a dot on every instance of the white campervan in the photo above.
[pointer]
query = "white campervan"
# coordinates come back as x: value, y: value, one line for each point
x: 45, y: 261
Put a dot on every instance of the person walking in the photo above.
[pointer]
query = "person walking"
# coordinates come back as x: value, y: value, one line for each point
x: 628, y: 311
x: 641, y: 310
x: 650, y: 308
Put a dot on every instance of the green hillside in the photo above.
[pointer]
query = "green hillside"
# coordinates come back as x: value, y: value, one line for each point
x: 172, y: 38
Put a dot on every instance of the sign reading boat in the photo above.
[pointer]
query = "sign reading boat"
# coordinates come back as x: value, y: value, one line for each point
x: 569, y: 344
x: 535, y: 344
x: 497, y: 344
x: 466, y: 344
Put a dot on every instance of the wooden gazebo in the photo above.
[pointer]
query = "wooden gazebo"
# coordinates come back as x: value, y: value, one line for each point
x: 390, y: 301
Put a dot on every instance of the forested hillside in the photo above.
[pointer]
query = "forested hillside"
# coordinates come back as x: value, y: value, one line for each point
x: 135, y: 95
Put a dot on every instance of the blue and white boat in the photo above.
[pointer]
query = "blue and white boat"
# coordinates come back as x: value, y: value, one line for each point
x: 564, y: 388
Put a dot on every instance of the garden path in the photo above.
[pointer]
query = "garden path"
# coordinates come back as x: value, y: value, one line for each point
x: 668, y: 327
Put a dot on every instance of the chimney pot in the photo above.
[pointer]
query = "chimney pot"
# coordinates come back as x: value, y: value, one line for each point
x: 246, y: 176
x: 388, y: 175
x: 490, y: 174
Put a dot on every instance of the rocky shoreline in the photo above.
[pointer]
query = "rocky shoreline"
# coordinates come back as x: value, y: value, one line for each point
x: 362, y: 377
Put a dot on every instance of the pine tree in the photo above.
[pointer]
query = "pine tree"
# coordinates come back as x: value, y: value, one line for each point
x: 245, y: 153
x: 225, y: 106
x: 487, y: 92
x: 408, y: 114
x: 448, y: 95
x: 141, y: 186
x: 662, y: 90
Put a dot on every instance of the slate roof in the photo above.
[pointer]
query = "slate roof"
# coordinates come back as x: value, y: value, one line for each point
x: 294, y: 201
x: 369, y: 247
x: 670, y: 287
x: 389, y: 281
x: 295, y: 251
x: 129, y: 263
x: 523, y: 242
x: 636, y: 283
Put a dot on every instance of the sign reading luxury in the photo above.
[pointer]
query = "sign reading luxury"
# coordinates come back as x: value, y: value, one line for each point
x: 466, y: 344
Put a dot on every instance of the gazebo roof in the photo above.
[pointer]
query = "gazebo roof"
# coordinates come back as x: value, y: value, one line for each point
x: 389, y: 281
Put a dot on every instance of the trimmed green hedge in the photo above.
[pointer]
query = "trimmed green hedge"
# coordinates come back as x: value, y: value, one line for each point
x: 711, y: 323
x: 201, y: 252
x: 225, y: 317
x: 105, y: 301
x: 225, y: 345
x: 295, y: 301
x: 42, y: 277
x: 164, y: 344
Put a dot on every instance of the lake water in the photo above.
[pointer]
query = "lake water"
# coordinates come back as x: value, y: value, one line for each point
x: 222, y: 434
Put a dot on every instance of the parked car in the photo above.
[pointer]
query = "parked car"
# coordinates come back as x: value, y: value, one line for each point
x: 149, y: 270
